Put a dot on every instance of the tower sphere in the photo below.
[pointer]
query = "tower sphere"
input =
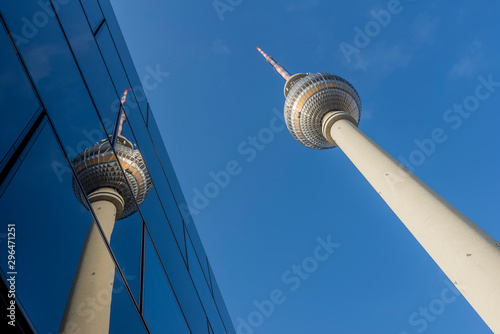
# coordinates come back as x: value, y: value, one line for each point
x: 309, y: 97
x: 97, y: 167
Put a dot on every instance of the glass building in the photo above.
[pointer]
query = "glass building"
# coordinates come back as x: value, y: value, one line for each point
x: 64, y: 66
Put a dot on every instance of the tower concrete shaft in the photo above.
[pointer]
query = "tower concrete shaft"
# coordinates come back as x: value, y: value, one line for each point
x: 466, y: 254
x: 93, y: 282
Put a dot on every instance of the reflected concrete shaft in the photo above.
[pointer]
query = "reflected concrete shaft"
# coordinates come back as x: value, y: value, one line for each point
x: 466, y: 254
x: 89, y: 303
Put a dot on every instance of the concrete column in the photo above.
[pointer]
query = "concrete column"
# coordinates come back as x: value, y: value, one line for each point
x: 466, y: 254
x: 89, y: 302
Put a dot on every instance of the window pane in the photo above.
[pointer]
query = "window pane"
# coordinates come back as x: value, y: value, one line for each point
x: 200, y: 251
x: 114, y: 65
x: 167, y: 165
x: 181, y: 282
x: 161, y: 309
x: 126, y: 245
x: 93, y: 12
x: 161, y: 183
x: 18, y: 100
x: 125, y: 57
x: 157, y: 222
x: 124, y: 316
x: 91, y: 64
x: 203, y: 290
x: 55, y: 74
x: 221, y: 306
x: 51, y: 226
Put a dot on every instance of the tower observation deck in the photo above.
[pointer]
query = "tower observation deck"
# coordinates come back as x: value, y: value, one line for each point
x: 322, y: 111
x: 309, y: 97
x: 97, y: 167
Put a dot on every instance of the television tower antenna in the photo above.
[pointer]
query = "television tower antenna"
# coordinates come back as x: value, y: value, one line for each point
x: 277, y: 67
x: 322, y: 111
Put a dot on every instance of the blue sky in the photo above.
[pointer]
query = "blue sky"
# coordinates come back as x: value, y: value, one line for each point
x: 216, y: 109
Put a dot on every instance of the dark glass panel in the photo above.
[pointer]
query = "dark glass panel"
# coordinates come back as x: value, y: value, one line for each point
x: 195, y: 269
x: 181, y: 281
x: 170, y: 207
x: 203, y: 289
x: 211, y: 278
x: 161, y: 184
x: 114, y: 65
x: 221, y: 306
x: 126, y: 59
x: 179, y: 200
x: 161, y: 309
x: 91, y: 64
x: 200, y: 251
x: 119, y: 76
x: 17, y: 99
x: 167, y: 165
x: 178, y: 197
x: 51, y: 226
x: 51, y: 65
x: 124, y: 316
x: 157, y: 222
x: 126, y: 245
x: 112, y: 60
x: 93, y: 12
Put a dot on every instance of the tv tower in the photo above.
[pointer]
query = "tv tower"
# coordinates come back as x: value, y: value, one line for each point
x: 102, y: 175
x: 322, y: 111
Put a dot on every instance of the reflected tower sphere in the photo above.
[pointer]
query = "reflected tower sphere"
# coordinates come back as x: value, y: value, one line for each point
x: 97, y: 167
x: 114, y: 184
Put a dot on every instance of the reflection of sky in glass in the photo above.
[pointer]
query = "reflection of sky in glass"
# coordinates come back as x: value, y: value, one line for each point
x: 51, y: 223
x: 126, y: 239
x: 57, y: 78
x: 50, y: 230
x: 51, y: 226
x: 17, y: 98
x: 200, y: 282
x: 123, y: 318
x: 161, y: 310
x: 93, y: 13
x: 162, y: 184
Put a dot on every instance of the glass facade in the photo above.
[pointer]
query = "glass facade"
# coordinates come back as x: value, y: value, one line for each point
x: 64, y: 68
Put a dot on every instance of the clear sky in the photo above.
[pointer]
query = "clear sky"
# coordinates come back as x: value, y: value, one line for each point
x: 263, y: 227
